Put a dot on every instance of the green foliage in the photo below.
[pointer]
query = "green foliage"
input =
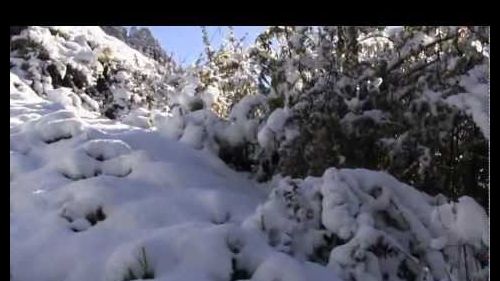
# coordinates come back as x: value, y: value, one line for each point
x: 25, y: 48
x: 146, y: 272
x: 277, y: 102
x: 59, y: 33
x: 229, y: 70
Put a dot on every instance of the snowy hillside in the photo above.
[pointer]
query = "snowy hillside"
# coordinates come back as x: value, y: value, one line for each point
x: 89, y: 195
x: 140, y: 39
x: 85, y: 189
x: 147, y: 197
x: 109, y: 76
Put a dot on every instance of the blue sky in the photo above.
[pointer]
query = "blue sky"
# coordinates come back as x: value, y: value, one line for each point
x: 186, y: 43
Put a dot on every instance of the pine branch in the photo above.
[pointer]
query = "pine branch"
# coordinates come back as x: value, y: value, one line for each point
x: 423, y: 48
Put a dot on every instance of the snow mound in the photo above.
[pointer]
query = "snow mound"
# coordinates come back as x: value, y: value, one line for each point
x: 462, y: 222
x: 138, y: 117
x: 291, y: 269
x: 64, y: 96
x: 105, y: 149
x: 57, y: 130
x: 183, y: 252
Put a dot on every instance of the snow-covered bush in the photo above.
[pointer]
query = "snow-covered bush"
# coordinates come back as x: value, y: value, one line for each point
x: 227, y: 73
x: 94, y: 200
x: 368, y: 226
x: 380, y: 98
x: 409, y: 100
x: 109, y: 76
x: 233, y: 140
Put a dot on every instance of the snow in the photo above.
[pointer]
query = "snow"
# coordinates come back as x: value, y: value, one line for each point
x: 475, y: 101
x: 274, y: 128
x: 65, y: 97
x: 209, y: 257
x: 336, y: 215
x: 106, y: 149
x: 119, y: 49
x: 94, y: 105
x: 91, y: 199
x: 392, y: 30
x: 472, y: 221
x: 291, y: 269
x: 151, y: 192
x: 461, y: 222
x: 474, y: 106
x: 351, y: 204
x: 96, y: 199
x: 138, y: 117
x: 193, y: 135
x: 277, y: 119
x: 86, y: 51
x: 170, y: 126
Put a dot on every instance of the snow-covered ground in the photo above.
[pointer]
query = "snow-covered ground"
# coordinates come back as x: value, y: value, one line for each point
x: 93, y: 199
x: 65, y: 167
x: 88, y: 193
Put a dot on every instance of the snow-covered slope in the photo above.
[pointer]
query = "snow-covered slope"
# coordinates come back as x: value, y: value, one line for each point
x: 94, y: 199
x: 82, y: 47
x: 66, y: 168
x: 88, y: 193
x: 99, y: 199
x: 105, y: 73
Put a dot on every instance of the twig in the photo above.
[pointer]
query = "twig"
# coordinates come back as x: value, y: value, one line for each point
x: 416, y: 52
x: 375, y: 36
